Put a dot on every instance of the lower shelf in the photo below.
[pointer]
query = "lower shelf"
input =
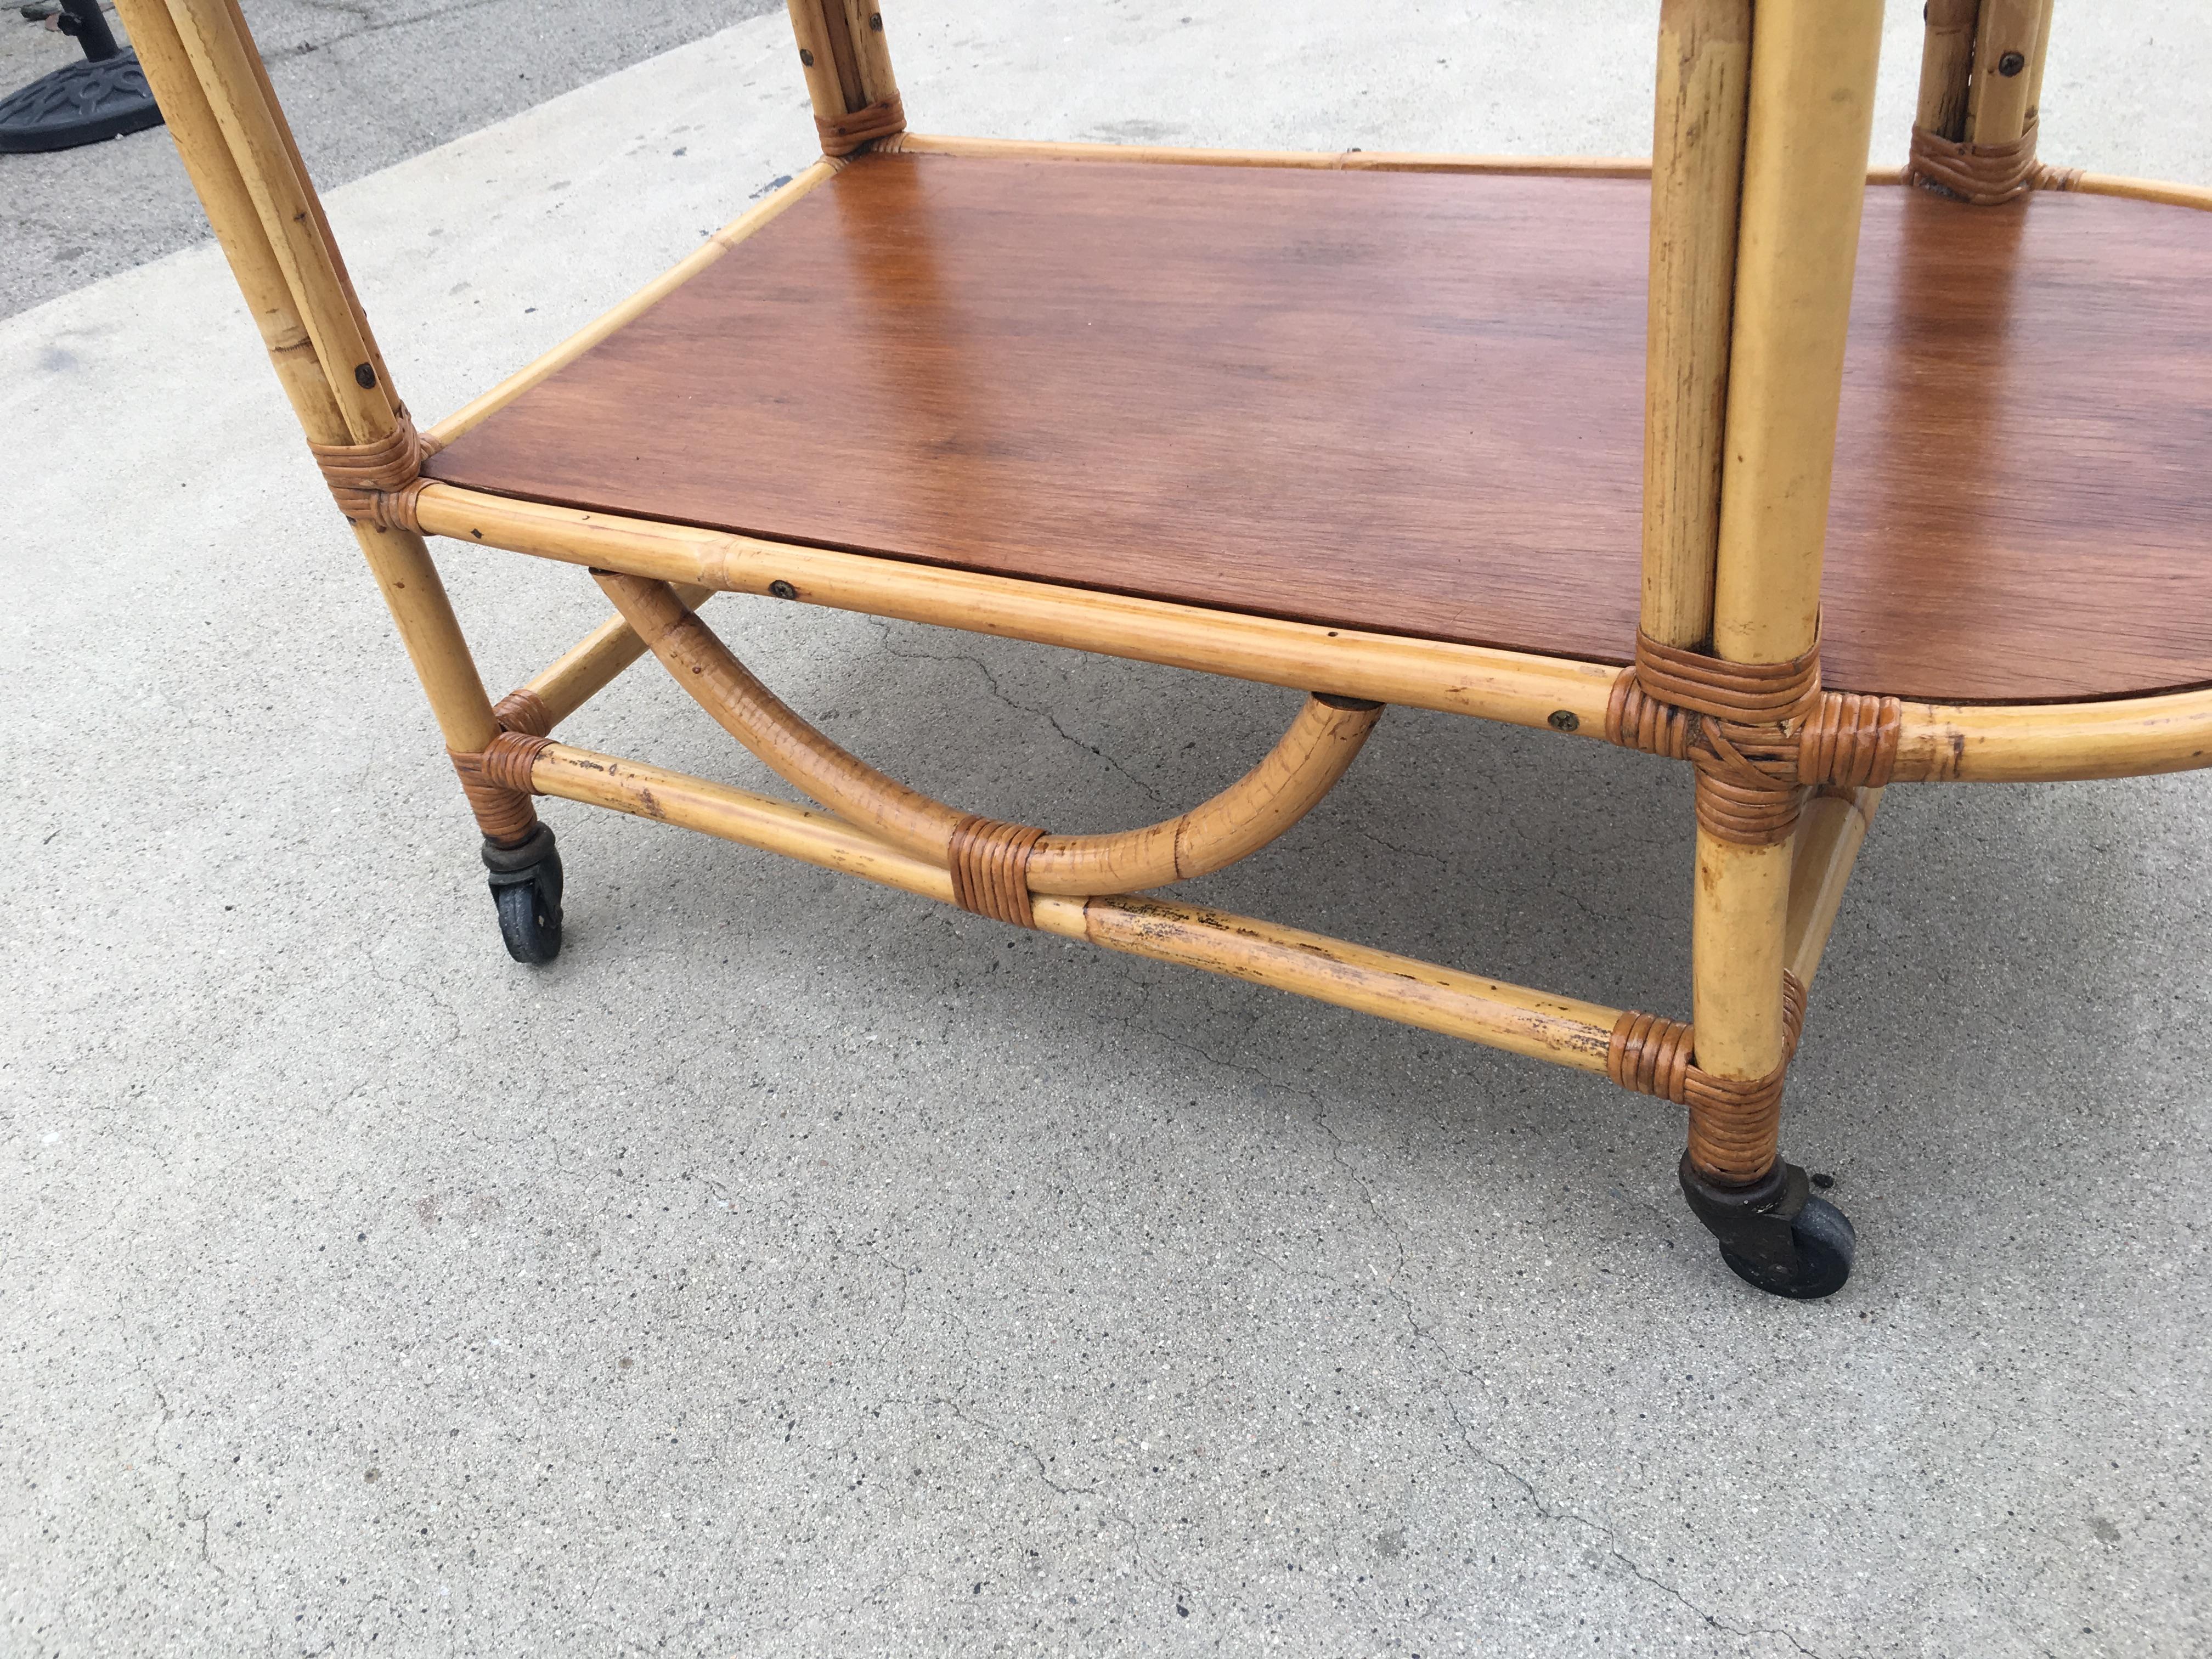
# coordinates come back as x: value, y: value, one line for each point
x: 1409, y: 404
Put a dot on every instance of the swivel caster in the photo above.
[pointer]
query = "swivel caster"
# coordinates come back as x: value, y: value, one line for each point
x: 526, y: 885
x: 1774, y: 1234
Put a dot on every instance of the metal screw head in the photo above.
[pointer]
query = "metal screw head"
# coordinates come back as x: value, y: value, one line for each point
x: 807, y: 57
x: 875, y: 21
x: 783, y: 590
x: 2011, y: 64
x: 364, y: 376
x: 1564, y: 720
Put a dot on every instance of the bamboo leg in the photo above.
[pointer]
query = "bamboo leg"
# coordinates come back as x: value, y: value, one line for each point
x: 1947, y: 55
x: 1697, y: 170
x: 2036, y: 62
x: 848, y: 72
x: 2005, y: 46
x: 1812, y: 95
x: 1829, y: 832
x: 243, y: 164
x: 593, y: 663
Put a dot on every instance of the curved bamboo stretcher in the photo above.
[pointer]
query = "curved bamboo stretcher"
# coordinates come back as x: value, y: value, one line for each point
x: 1793, y: 699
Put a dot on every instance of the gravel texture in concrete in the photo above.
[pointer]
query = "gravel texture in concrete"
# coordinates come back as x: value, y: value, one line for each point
x: 795, y: 1267
x: 366, y: 84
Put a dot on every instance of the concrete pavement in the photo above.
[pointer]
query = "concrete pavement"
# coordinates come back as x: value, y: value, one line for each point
x: 366, y: 84
x: 795, y: 1267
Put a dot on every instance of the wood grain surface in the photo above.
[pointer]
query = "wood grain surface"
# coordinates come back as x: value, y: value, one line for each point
x: 1411, y: 403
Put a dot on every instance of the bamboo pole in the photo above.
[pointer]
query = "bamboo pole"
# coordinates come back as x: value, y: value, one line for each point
x: 1946, y: 57
x: 752, y: 219
x: 1830, y: 829
x: 231, y: 213
x: 1324, y: 160
x: 1812, y: 100
x: 1310, y: 161
x: 241, y: 158
x: 2142, y: 190
x: 1813, y: 67
x: 2050, y: 743
x: 409, y: 580
x: 1514, y: 687
x: 593, y: 663
x: 825, y: 54
x: 2005, y: 44
x: 223, y: 60
x: 871, y: 57
x: 1286, y: 786
x: 1563, y: 1030
x: 1942, y: 742
x: 1697, y: 171
x: 2037, y: 62
x: 848, y: 66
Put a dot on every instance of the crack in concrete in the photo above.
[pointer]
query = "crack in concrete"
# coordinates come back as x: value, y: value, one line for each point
x: 1147, y: 1569
x: 158, y: 1460
x: 999, y: 691
x: 1535, y: 1497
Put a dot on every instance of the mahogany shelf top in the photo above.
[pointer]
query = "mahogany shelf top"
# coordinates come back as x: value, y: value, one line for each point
x: 1411, y: 403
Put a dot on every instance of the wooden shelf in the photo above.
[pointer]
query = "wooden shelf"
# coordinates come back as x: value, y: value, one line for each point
x: 1410, y: 403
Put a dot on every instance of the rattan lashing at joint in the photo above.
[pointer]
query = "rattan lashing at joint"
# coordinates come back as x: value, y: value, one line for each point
x: 379, y: 483
x: 1985, y: 175
x: 498, y: 783
x: 1733, y: 1121
x: 1758, y: 733
x: 990, y: 864
x: 883, y: 118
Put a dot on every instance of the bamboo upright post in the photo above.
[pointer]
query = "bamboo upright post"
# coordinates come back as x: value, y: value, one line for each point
x: 2037, y: 62
x: 1811, y: 102
x: 2005, y: 48
x: 206, y: 75
x: 1946, y: 56
x: 848, y: 72
x: 1697, y: 171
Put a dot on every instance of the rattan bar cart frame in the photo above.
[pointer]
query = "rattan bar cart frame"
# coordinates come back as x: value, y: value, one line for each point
x: 1758, y: 187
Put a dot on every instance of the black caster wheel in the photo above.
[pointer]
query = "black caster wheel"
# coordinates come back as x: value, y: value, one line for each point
x: 1774, y: 1234
x: 526, y: 885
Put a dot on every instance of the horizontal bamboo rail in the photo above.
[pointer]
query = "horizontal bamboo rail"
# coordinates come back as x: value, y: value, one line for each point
x: 1331, y: 161
x: 2142, y: 190
x: 1322, y: 741
x: 1513, y: 687
x: 1311, y: 161
x: 1966, y: 743
x: 592, y: 664
x: 2055, y: 743
x: 754, y: 218
x: 1413, y: 992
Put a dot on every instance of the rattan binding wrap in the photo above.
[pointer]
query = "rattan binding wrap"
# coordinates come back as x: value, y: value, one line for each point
x: 862, y: 126
x: 1751, y: 693
x: 1986, y: 175
x: 1735, y: 722
x: 378, y: 483
x: 1851, y: 740
x: 525, y: 711
x: 990, y: 862
x: 1733, y: 1123
x: 498, y: 785
x: 1833, y: 737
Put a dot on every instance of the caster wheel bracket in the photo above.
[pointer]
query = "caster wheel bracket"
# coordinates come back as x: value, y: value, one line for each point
x: 1774, y: 1234
x: 525, y: 889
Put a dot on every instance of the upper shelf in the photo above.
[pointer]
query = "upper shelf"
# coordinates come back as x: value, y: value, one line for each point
x: 1411, y: 403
